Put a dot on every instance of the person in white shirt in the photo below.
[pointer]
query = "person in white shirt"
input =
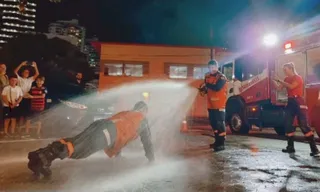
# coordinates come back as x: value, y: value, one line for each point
x: 25, y: 82
x: 4, y: 81
x: 11, y: 97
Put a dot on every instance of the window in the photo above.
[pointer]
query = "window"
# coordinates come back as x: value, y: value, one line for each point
x: 228, y: 71
x: 127, y: 69
x: 134, y: 70
x: 114, y: 69
x: 313, y: 66
x: 178, y: 72
x: 248, y: 67
x: 200, y: 72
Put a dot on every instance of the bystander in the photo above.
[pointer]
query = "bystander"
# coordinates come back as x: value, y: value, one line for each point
x: 38, y: 102
x: 25, y: 82
x: 4, y: 81
x: 11, y: 97
x: 79, y: 80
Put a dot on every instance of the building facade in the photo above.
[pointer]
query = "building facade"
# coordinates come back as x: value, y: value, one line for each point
x: 17, y: 17
x: 68, y: 30
x: 128, y: 65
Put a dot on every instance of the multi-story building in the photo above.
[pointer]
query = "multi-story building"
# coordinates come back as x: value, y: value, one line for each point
x: 68, y: 30
x: 17, y: 17
x: 93, y: 56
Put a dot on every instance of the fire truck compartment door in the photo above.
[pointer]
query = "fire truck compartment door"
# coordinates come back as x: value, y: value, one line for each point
x: 299, y: 60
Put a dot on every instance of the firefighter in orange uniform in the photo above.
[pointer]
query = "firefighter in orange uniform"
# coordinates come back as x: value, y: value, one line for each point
x: 296, y: 107
x: 215, y: 86
x: 110, y: 135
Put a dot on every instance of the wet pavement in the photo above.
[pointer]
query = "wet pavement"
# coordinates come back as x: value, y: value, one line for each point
x: 248, y: 164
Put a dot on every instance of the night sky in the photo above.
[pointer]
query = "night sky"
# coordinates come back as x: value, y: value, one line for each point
x: 179, y: 22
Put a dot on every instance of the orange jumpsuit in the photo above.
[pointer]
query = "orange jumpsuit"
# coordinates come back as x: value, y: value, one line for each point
x: 296, y: 107
x: 111, y: 135
x: 216, y: 100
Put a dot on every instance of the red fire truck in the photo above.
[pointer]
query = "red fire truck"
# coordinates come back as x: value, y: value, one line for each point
x: 253, y: 99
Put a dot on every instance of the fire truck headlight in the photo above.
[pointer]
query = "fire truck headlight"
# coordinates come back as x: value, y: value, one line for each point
x: 288, y: 51
x: 270, y: 40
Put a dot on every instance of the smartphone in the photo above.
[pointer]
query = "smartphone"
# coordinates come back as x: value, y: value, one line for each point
x: 29, y: 63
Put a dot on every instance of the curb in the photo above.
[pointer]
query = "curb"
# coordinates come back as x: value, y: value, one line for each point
x: 25, y: 140
x: 22, y: 146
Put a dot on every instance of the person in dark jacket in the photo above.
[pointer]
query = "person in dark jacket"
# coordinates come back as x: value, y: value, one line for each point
x: 110, y: 135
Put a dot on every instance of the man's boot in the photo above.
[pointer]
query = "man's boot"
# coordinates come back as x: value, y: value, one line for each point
x: 219, y: 146
x: 41, y: 159
x: 290, y: 147
x: 314, y: 149
x: 215, y: 141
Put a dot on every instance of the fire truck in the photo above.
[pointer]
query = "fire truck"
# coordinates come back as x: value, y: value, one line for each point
x: 252, y: 97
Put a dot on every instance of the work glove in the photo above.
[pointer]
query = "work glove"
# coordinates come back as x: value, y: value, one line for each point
x: 202, y: 89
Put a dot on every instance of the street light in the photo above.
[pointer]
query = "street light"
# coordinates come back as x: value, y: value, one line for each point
x: 270, y: 40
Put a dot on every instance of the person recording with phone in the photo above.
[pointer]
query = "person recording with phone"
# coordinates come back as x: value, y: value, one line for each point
x: 25, y: 82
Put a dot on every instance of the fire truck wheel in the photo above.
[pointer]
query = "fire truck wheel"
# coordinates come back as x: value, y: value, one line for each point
x: 280, y: 131
x: 236, y: 117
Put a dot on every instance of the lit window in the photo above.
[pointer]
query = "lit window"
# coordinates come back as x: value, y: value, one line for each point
x: 228, y: 71
x: 114, y: 69
x: 178, y: 72
x: 127, y: 69
x: 134, y: 70
x: 200, y: 72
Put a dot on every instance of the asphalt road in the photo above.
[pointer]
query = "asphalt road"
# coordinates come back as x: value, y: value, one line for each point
x: 248, y: 164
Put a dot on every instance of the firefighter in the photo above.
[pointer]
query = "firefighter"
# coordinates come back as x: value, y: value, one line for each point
x: 110, y: 134
x: 296, y: 107
x: 215, y: 87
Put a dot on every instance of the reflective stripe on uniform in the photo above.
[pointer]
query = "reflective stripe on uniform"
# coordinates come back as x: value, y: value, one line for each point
x: 290, y: 134
x: 303, y: 107
x: 214, y: 99
x: 310, y: 133
x: 107, y: 135
x: 69, y: 145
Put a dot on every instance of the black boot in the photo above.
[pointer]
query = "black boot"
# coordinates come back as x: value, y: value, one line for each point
x: 290, y: 147
x: 219, y: 146
x: 215, y: 141
x: 314, y: 149
x: 41, y: 159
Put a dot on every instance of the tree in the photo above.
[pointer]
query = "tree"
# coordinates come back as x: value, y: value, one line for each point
x: 57, y: 60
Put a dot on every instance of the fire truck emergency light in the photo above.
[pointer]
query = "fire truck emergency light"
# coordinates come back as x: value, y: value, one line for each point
x: 288, y: 46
